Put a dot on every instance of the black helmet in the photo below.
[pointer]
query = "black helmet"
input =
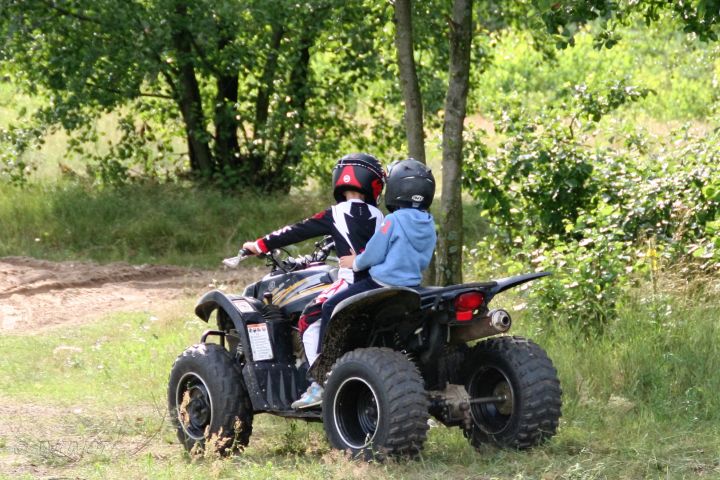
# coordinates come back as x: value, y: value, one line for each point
x: 410, y: 184
x: 360, y: 172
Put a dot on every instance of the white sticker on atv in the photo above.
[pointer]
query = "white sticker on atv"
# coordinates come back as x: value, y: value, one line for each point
x: 243, y: 306
x: 260, y: 342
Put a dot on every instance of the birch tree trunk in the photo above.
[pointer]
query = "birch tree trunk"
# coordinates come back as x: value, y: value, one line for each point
x: 450, y: 241
x: 409, y: 80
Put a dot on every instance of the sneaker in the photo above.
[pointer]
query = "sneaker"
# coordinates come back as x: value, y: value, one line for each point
x: 311, y: 398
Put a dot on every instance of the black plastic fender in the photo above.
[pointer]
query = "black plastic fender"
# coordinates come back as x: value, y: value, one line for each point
x: 510, y: 282
x: 436, y: 295
x: 241, y: 311
x: 272, y: 383
x: 345, y: 332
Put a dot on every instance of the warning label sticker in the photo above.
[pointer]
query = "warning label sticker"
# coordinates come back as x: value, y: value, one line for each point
x: 243, y: 306
x: 260, y: 342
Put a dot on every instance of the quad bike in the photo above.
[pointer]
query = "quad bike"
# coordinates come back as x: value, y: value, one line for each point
x: 390, y: 358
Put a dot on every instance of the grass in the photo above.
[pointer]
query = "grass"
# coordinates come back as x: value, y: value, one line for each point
x: 169, y: 224
x: 639, y: 402
x: 154, y: 223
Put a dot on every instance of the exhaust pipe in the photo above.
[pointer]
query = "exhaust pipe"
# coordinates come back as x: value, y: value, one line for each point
x: 500, y: 320
x: 497, y: 321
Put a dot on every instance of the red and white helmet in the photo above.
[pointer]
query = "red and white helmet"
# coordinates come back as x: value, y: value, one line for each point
x: 360, y: 172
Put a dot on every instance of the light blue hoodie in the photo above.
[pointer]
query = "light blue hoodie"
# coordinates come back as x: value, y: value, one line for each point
x: 401, y: 249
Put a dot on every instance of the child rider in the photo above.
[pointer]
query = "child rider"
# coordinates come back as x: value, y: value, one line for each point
x: 399, y: 252
x: 358, y: 180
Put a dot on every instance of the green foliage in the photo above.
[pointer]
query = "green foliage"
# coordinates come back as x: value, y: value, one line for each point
x: 254, y: 87
x: 541, y: 175
x: 141, y: 154
x: 14, y: 142
x: 658, y: 58
x: 594, y: 106
x: 598, y: 212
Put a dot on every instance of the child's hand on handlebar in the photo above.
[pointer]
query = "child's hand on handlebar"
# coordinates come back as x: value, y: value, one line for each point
x: 251, y: 247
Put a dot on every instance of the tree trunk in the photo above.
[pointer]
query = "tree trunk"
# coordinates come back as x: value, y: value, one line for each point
x: 262, y: 102
x: 409, y: 80
x: 188, y: 94
x: 299, y: 92
x: 226, y: 140
x: 449, y: 253
x: 411, y: 96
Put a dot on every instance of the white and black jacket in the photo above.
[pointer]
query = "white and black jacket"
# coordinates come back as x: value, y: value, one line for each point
x: 351, y: 224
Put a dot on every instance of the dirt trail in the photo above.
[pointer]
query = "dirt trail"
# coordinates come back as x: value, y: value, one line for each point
x: 37, y: 294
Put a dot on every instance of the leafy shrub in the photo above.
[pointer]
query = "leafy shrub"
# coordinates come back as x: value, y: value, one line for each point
x: 601, y: 215
x: 14, y: 142
x: 658, y: 57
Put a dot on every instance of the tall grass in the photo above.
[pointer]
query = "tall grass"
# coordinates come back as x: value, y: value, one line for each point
x: 663, y: 368
x: 167, y: 223
x: 140, y: 223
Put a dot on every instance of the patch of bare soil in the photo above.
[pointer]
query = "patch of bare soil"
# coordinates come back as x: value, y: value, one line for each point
x: 36, y: 295
x: 45, y: 441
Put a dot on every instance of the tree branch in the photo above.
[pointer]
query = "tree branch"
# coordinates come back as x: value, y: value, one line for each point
x: 120, y: 92
x: 69, y: 13
x: 203, y: 57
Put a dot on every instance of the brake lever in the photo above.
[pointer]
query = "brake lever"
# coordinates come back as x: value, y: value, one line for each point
x: 233, y: 262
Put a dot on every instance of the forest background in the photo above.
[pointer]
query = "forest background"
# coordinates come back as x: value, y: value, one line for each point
x: 585, y: 143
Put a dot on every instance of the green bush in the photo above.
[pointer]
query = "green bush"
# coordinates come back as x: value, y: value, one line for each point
x: 658, y: 57
x: 602, y: 213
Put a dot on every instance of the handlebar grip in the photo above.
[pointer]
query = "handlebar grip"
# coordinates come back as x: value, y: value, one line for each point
x: 233, y: 262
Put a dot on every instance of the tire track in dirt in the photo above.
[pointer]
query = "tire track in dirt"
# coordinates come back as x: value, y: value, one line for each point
x: 39, y: 294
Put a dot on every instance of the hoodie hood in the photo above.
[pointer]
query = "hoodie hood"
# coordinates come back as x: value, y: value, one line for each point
x: 418, y: 227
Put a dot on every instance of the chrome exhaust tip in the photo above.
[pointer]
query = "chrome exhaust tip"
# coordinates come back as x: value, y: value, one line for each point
x: 500, y: 320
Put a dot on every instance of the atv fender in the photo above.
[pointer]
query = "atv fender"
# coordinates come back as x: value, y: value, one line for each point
x: 273, y: 383
x: 238, y: 309
x: 510, y: 282
x: 355, y: 319
x: 241, y: 310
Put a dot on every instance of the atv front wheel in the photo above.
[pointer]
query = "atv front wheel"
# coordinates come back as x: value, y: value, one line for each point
x: 208, y: 402
x: 375, y: 403
x: 514, y: 391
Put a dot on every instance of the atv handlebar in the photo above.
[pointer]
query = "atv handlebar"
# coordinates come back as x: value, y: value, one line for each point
x: 321, y: 253
x: 233, y: 262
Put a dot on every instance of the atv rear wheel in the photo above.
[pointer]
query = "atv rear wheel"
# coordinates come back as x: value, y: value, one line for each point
x: 375, y: 403
x: 520, y: 376
x: 208, y: 402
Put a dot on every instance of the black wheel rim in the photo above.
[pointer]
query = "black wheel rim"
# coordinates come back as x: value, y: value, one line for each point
x: 356, y: 412
x: 491, y: 417
x: 194, y: 405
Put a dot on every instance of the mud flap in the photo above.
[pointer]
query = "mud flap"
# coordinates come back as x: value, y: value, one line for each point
x: 274, y: 386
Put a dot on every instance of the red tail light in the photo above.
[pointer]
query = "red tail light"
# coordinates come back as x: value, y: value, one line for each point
x: 466, y: 303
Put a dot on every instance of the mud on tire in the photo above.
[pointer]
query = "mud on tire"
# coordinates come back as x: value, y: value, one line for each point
x: 375, y: 404
x: 519, y: 371
x: 208, y: 402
